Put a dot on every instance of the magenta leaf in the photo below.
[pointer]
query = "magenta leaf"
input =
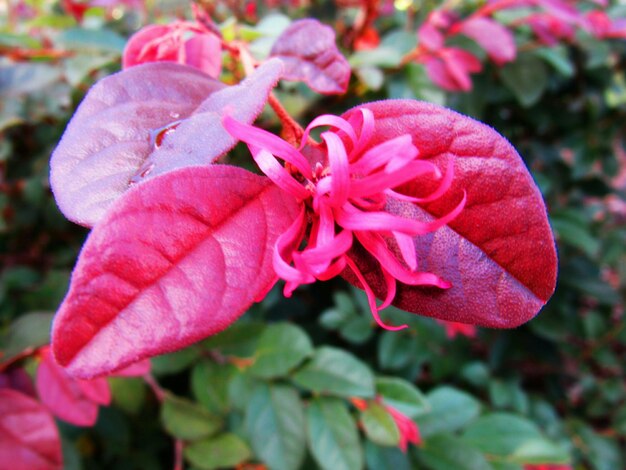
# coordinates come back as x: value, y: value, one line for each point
x: 29, y: 438
x: 308, y: 49
x: 73, y: 400
x: 499, y: 253
x: 495, y: 39
x: 201, y: 139
x: 176, y: 259
x: 108, y: 138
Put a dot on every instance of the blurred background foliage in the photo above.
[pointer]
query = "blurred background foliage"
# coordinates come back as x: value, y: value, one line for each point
x: 278, y: 387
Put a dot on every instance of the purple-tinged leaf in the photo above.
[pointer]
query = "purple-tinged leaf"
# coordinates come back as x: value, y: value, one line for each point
x: 109, y: 137
x: 499, y: 253
x: 308, y: 49
x: 495, y: 39
x: 202, y: 139
x: 176, y: 259
x: 29, y: 438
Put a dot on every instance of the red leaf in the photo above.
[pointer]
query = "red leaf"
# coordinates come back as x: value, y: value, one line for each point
x: 73, y: 400
x: 178, y: 258
x: 499, y: 252
x: 307, y: 47
x: 108, y: 138
x: 495, y: 39
x: 29, y: 438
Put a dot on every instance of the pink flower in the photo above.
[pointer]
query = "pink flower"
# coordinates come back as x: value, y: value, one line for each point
x: 450, y: 68
x: 601, y: 26
x: 546, y: 466
x: 550, y: 29
x: 343, y: 189
x: 184, y: 42
x: 409, y: 432
x: 455, y: 328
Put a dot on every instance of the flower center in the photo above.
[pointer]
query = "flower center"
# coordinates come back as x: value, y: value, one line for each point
x: 343, y: 201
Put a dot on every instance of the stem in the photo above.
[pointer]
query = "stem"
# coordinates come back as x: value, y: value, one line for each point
x: 292, y: 131
x: 178, y: 454
x: 159, y: 393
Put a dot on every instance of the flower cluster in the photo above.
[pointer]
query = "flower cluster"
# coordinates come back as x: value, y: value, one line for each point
x: 343, y: 186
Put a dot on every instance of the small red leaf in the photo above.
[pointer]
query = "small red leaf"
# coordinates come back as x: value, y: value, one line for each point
x: 29, y: 438
x: 178, y: 258
x: 499, y: 253
x: 308, y: 49
x: 73, y: 400
x: 108, y: 138
x: 495, y: 39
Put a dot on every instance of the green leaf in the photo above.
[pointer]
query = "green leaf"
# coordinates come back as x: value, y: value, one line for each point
x: 240, y: 389
x: 501, y: 433
x: 451, y: 410
x: 274, y: 423
x: 100, y: 40
x: 175, y: 362
x: 187, y: 420
x: 402, y: 395
x: 603, y: 453
x: 379, y: 425
x: 378, y: 457
x: 281, y: 347
x: 527, y: 78
x: 336, y: 372
x: 445, y: 452
x: 239, y: 340
x: 384, y: 57
x: 394, y: 350
x: 26, y: 78
x: 333, y: 436
x: 129, y: 393
x: 209, y: 384
x: 557, y: 57
x: 225, y: 450
x: 540, y: 451
x: 357, y: 330
x: 422, y: 87
x: 28, y: 332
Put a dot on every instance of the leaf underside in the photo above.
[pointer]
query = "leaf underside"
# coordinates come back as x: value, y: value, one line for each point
x: 308, y: 50
x: 499, y: 253
x: 178, y: 258
x: 110, y: 141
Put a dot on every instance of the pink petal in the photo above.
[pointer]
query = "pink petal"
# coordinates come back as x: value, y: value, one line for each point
x: 204, y: 52
x: 496, y: 39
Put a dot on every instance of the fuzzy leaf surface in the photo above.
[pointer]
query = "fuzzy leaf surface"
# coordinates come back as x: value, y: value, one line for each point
x: 29, y: 437
x: 308, y: 50
x: 108, y: 138
x: 111, y: 139
x: 178, y: 258
x: 499, y: 253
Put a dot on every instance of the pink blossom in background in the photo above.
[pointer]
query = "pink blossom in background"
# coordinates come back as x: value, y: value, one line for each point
x: 451, y: 67
x: 601, y: 26
x: 550, y: 29
x: 547, y: 466
x: 342, y: 187
x: 184, y: 42
x: 455, y: 328
x: 409, y: 432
